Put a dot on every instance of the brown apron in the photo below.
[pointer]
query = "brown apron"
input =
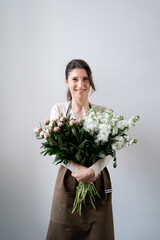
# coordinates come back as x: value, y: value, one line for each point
x: 92, y: 224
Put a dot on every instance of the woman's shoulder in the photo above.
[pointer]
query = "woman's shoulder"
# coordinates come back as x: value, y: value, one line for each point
x: 99, y: 107
x: 60, y: 105
x: 58, y: 108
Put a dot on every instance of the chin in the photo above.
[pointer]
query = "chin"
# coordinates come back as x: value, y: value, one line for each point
x: 82, y: 97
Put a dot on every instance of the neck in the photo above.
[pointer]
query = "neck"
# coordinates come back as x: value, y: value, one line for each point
x: 78, y: 106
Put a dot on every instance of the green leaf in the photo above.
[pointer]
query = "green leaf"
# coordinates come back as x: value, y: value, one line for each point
x: 74, y: 146
x: 71, y: 149
x: 52, y: 142
x: 114, y: 164
x: 74, y: 132
x: 66, y: 149
x: 42, y: 152
x: 83, y: 161
x: 80, y: 147
x: 101, y: 155
x: 81, y: 134
x: 67, y: 134
x: 57, y: 160
x: 60, y: 142
x: 78, y: 156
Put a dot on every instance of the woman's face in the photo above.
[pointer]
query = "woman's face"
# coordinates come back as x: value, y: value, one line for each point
x: 78, y: 83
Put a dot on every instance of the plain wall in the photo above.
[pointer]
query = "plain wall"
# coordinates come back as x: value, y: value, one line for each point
x: 120, y: 41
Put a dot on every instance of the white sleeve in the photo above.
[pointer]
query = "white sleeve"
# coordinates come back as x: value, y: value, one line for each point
x: 97, y: 166
x: 101, y: 164
x: 70, y: 166
x: 54, y: 112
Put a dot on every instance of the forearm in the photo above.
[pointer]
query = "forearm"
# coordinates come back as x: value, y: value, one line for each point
x: 101, y: 164
x: 97, y: 167
x: 70, y: 166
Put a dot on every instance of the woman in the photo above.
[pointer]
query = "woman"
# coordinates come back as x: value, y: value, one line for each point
x: 92, y: 224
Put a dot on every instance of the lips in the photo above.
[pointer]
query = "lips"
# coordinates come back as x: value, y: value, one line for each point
x: 80, y: 90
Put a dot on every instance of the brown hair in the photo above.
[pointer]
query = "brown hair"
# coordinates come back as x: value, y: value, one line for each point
x: 78, y: 63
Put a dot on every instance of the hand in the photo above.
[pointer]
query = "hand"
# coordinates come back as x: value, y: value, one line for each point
x: 95, y: 178
x: 84, y: 174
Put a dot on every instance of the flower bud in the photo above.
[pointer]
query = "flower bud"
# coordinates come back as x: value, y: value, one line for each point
x: 45, y: 135
x: 78, y: 120
x: 60, y: 115
x: 52, y: 123
x: 121, y: 117
x: 41, y: 134
x: 71, y: 122
x: 56, y: 129
x: 60, y: 124
x: 50, y: 128
x: 46, y: 122
x: 133, y: 140
x: 37, y: 130
x: 61, y: 119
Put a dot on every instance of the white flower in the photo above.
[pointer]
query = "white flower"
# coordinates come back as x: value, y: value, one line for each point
x: 131, y: 122
x: 106, y: 123
x: 122, y: 124
x: 113, y: 122
x: 119, y: 144
x: 114, y: 130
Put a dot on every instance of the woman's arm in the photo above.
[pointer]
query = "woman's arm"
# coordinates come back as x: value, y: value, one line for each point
x: 101, y: 164
x: 55, y: 112
x: 97, y: 167
x: 89, y: 175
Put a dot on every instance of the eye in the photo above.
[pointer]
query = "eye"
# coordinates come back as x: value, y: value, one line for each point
x: 74, y: 79
x: 85, y: 78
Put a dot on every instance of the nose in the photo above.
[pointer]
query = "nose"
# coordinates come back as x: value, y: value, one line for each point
x: 80, y: 83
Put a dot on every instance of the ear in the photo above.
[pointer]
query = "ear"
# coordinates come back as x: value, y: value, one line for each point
x: 66, y: 82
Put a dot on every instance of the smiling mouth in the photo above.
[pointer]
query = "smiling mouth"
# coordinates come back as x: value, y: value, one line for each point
x: 80, y: 90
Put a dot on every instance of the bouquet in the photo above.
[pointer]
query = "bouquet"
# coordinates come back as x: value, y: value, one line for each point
x: 99, y: 134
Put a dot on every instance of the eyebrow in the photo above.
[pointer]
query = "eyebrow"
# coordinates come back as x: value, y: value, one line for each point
x: 84, y: 77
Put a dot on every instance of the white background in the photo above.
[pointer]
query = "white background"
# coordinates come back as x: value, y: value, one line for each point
x: 120, y: 41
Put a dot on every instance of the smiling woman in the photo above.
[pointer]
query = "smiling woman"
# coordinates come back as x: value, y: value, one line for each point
x: 92, y: 224
x: 78, y: 70
x: 79, y: 81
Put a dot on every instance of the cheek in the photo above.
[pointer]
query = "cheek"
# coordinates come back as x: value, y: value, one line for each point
x: 88, y: 85
x: 71, y: 85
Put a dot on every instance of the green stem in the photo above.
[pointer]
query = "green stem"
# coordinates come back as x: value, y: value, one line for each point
x: 81, y: 192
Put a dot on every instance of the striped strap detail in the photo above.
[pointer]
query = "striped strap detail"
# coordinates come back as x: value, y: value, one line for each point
x: 109, y: 190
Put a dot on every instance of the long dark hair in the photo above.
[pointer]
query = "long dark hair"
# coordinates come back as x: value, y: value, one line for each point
x: 78, y: 63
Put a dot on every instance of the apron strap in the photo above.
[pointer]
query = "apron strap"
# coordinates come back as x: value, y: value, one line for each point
x: 68, y: 109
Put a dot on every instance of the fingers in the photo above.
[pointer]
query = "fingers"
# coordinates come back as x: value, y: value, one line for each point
x: 81, y: 176
x: 85, y: 180
x: 73, y: 174
x: 78, y: 176
x: 90, y: 182
x: 95, y: 178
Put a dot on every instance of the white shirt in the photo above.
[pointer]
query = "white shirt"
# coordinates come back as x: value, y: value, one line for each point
x: 59, y: 108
